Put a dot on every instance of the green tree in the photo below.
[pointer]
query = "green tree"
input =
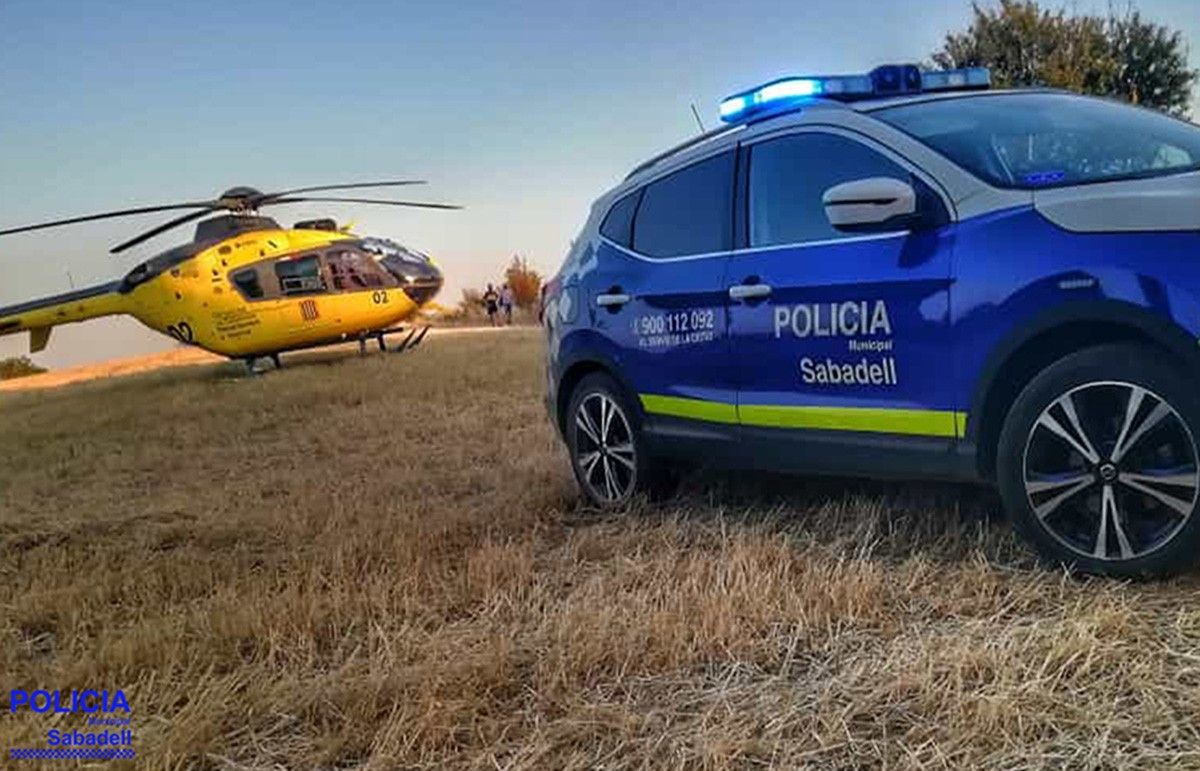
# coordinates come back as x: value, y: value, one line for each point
x: 1119, y: 54
x: 1151, y: 63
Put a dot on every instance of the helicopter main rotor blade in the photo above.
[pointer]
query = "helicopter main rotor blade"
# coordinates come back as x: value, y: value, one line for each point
x: 352, y: 186
x: 237, y: 200
x: 206, y: 205
x: 163, y: 228
x: 417, y: 204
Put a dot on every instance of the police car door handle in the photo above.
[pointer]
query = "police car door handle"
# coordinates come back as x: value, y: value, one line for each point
x: 613, y: 300
x: 749, y: 291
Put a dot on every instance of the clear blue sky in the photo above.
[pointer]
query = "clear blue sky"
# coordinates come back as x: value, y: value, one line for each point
x: 523, y: 111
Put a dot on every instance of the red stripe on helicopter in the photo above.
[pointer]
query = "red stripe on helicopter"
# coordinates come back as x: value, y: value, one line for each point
x: 308, y: 309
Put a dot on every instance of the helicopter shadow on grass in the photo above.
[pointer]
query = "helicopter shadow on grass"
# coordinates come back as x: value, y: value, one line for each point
x: 237, y: 371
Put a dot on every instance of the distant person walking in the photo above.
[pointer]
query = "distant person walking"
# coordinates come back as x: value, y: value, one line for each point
x: 506, y: 303
x: 491, y: 302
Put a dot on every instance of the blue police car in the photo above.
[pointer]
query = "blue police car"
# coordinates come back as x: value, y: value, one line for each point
x: 904, y: 274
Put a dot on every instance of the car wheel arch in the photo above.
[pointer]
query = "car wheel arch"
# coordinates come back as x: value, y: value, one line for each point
x: 573, y: 375
x: 1014, y: 362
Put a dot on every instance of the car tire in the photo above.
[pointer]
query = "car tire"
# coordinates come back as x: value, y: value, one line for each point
x: 604, y: 438
x: 1098, y: 464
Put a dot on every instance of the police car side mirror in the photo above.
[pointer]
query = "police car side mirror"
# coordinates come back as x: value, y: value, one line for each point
x: 872, y: 204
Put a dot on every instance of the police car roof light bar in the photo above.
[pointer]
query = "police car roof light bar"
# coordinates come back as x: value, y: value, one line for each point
x: 966, y: 79
x: 889, y: 80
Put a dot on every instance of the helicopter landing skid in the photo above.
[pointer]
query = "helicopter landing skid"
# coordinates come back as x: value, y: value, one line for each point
x: 412, y: 339
x: 252, y: 362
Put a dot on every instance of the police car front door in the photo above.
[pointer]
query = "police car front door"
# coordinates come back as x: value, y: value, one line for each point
x: 833, y: 331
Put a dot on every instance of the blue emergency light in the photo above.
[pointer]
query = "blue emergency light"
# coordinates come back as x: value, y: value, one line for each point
x: 889, y: 80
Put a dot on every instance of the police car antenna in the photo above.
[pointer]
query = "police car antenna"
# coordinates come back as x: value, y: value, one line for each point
x: 696, y: 115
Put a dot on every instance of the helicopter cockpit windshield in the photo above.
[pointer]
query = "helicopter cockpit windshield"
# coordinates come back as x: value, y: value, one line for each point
x: 415, y: 271
x: 384, y: 248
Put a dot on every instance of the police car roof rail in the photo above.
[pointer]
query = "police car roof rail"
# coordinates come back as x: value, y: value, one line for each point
x: 693, y: 142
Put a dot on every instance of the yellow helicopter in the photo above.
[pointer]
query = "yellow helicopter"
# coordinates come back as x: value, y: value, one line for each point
x: 247, y: 288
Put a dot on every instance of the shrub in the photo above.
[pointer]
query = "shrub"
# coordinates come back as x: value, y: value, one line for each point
x: 18, y: 366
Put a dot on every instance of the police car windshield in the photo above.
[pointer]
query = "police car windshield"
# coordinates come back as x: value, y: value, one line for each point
x: 1039, y: 140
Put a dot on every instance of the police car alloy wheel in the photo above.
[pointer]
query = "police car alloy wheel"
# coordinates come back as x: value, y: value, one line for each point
x: 605, y: 447
x: 1099, y: 463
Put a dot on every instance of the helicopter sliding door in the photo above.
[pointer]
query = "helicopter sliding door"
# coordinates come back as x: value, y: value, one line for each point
x: 287, y: 305
x: 306, y: 309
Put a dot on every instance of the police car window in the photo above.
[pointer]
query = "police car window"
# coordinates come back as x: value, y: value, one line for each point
x: 789, y: 176
x: 1030, y: 141
x: 688, y: 212
x: 618, y: 225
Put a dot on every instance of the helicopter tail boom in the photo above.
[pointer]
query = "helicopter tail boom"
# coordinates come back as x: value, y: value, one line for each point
x: 38, y: 316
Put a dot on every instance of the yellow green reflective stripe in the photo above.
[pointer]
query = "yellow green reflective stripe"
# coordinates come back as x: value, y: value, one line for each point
x: 873, y: 419
x: 697, y: 409
x: 887, y: 421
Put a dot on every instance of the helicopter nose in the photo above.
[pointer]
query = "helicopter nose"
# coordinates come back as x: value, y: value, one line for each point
x: 424, y: 282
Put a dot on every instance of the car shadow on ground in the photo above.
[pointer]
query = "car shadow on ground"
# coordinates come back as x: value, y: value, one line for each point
x: 858, y: 518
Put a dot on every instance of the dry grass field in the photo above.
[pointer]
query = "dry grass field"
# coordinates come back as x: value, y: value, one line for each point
x: 381, y: 563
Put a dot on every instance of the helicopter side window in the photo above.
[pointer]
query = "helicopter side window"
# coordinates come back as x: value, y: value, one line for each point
x: 300, y: 276
x: 248, y: 284
x: 353, y: 270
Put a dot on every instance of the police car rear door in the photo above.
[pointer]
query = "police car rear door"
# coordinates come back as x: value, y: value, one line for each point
x: 660, y: 291
x: 840, y: 334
